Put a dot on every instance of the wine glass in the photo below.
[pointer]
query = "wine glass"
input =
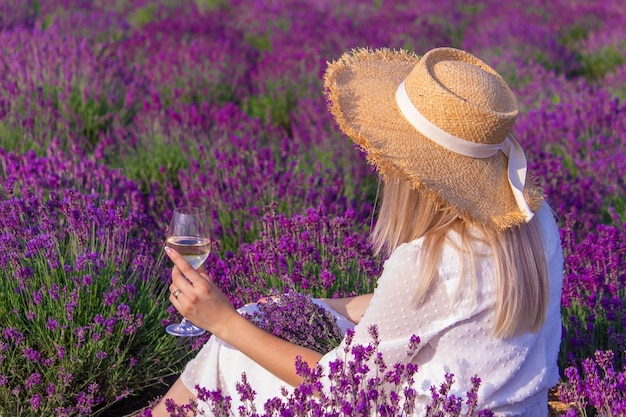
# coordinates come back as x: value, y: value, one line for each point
x: 188, y: 235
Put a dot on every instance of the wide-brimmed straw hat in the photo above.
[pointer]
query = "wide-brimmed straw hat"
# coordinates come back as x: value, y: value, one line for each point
x: 443, y: 122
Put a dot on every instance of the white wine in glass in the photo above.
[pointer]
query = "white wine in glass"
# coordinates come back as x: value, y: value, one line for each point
x: 188, y: 235
x: 194, y: 249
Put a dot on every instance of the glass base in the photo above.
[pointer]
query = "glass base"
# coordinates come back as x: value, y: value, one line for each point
x: 184, y: 328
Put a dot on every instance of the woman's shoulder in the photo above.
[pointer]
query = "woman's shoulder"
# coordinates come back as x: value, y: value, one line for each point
x: 409, y: 253
x: 405, y: 255
x: 412, y: 247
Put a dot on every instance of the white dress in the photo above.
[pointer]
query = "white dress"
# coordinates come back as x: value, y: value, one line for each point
x: 516, y: 372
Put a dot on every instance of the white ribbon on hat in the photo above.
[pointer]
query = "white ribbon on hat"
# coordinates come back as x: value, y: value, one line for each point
x: 510, y: 147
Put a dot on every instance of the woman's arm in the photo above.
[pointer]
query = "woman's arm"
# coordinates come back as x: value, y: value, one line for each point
x: 351, y: 308
x: 204, y: 304
x: 276, y: 355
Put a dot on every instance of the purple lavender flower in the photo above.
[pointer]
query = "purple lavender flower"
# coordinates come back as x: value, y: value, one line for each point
x: 32, y: 354
x: 35, y: 402
x: 33, y: 380
x: 294, y: 317
x: 352, y: 391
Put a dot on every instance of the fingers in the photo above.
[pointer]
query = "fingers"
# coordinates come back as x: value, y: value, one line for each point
x: 180, y: 281
x: 175, y: 292
x: 182, y: 292
x: 183, y: 266
x: 174, y: 300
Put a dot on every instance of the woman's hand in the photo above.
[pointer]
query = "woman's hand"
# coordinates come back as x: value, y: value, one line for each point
x: 351, y: 308
x: 195, y: 297
x: 201, y: 302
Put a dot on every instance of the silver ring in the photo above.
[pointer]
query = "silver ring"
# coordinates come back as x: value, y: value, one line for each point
x: 176, y: 293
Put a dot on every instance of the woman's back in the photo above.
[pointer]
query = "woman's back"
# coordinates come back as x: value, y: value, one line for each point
x: 455, y: 329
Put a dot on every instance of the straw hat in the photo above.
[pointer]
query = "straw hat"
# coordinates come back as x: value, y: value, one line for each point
x: 442, y: 121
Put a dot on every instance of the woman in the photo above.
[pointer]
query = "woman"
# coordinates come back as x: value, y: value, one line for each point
x: 475, y: 262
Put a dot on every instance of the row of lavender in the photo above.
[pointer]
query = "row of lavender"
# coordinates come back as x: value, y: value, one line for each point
x: 113, y: 112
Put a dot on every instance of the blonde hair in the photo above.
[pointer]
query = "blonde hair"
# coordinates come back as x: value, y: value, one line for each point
x: 520, y: 271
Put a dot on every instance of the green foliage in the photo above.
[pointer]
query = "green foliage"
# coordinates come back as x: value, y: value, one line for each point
x: 275, y: 107
x: 47, y: 21
x: 545, y: 61
x: 80, y: 116
x: 574, y: 34
x: 142, y: 16
x: 568, y: 161
x: 455, y: 31
x: 615, y: 209
x: 208, y: 5
x: 508, y: 70
x: 27, y: 126
x: 596, y: 65
x: 259, y: 42
x: 91, y: 116
x: 154, y: 160
x: 236, y: 220
x: 83, y: 343
x: 607, y: 333
x: 14, y: 138
x: 205, y: 91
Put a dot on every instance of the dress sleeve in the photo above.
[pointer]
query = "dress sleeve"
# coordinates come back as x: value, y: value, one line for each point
x: 394, y: 312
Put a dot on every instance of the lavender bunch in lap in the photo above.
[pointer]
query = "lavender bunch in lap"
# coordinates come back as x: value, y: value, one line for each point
x: 296, y: 318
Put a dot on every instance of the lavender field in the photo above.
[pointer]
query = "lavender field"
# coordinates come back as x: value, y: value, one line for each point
x: 113, y: 112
